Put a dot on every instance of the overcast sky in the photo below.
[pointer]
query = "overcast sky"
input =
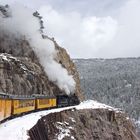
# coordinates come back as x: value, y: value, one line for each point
x: 91, y: 28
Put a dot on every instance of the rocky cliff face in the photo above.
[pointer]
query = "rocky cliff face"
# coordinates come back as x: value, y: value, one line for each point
x: 34, y: 80
x: 22, y: 73
x: 39, y: 83
x: 89, y: 124
x: 22, y: 76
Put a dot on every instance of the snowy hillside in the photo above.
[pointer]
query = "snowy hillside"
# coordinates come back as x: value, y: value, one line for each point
x: 115, y: 82
x: 17, y: 129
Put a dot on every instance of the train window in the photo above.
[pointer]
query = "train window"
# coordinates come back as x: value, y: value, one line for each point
x: 26, y: 103
x: 44, y: 101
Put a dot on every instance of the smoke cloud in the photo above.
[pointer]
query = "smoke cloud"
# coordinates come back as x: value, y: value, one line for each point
x: 106, y: 29
x: 23, y: 23
x: 104, y: 37
x: 79, y: 34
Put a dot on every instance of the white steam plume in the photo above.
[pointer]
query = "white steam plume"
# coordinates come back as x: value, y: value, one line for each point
x: 22, y: 22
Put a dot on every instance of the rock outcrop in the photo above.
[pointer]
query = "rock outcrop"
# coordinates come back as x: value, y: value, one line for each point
x: 35, y: 80
x: 22, y: 76
x: 14, y: 79
x: 89, y: 124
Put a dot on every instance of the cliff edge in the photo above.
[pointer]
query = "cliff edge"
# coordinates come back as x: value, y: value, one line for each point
x: 88, y: 121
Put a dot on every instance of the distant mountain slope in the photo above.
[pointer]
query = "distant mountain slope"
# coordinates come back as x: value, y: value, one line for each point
x: 115, y: 82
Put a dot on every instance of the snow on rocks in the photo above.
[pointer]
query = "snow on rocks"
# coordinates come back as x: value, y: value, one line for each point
x: 91, y: 104
x: 17, y: 129
x: 64, y: 130
x: 9, y: 59
x: 72, y: 119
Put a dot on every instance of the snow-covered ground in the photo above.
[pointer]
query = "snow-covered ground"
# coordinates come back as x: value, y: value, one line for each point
x: 17, y: 128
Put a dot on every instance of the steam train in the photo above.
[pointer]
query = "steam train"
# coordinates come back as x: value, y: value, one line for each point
x: 13, y: 105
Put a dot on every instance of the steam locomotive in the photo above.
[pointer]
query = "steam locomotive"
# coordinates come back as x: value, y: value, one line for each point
x: 13, y: 105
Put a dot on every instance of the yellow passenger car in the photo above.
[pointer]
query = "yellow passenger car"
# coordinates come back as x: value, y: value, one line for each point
x: 45, y: 102
x: 21, y: 105
x: 15, y: 105
x: 8, y: 108
x: 5, y: 106
x: 2, y: 109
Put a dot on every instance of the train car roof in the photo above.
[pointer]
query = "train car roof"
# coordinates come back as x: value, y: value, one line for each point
x: 11, y: 96
x: 40, y: 96
x: 4, y: 95
x: 22, y: 97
